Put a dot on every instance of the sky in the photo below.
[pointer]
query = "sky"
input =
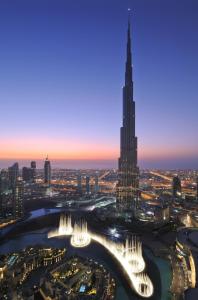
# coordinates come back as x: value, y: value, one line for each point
x: 62, y: 71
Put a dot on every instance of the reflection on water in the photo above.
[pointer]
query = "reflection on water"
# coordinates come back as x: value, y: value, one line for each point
x: 165, y: 274
x: 160, y: 267
x: 43, y: 212
x: 93, y: 251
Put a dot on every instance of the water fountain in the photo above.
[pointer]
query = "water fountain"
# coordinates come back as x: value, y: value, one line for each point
x: 128, y: 254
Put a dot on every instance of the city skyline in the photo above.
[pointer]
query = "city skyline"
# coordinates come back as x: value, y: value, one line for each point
x: 47, y: 114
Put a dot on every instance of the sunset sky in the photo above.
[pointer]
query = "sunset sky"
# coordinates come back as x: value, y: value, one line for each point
x: 62, y: 72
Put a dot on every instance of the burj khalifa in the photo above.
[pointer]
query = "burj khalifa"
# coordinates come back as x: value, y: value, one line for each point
x: 128, y: 171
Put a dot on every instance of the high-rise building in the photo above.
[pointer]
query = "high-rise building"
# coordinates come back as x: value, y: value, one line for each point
x: 87, y: 184
x: 128, y: 171
x: 197, y: 190
x: 33, y: 167
x: 4, y: 181
x: 18, y: 195
x: 47, y: 172
x: 5, y: 193
x: 27, y: 174
x: 176, y: 186
x: 96, y: 187
x: 13, y: 172
x: 79, y: 183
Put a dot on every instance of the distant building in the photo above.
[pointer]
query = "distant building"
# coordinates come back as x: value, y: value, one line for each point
x: 87, y: 185
x: 4, y: 181
x: 18, y: 199
x: 96, y: 187
x: 33, y: 167
x: 162, y: 213
x: 27, y: 174
x: 13, y: 172
x: 47, y: 172
x: 5, y: 193
x: 197, y: 190
x: 79, y: 183
x: 176, y: 186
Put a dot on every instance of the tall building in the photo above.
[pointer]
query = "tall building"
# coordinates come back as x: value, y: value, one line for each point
x: 176, y: 186
x: 13, y: 172
x: 18, y: 203
x: 96, y: 187
x: 79, y: 183
x: 47, y: 171
x: 33, y: 167
x: 5, y: 193
x: 4, y: 181
x: 87, y: 180
x: 27, y: 174
x: 128, y: 171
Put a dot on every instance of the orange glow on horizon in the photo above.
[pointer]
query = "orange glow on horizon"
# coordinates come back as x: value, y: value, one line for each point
x: 62, y: 149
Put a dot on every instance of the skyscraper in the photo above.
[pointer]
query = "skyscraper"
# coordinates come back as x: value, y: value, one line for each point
x: 96, y: 187
x: 5, y: 193
x: 176, y: 186
x: 87, y: 184
x: 47, y: 171
x: 33, y: 167
x: 128, y: 171
x: 13, y: 172
x: 79, y: 183
x: 18, y: 203
x: 27, y: 174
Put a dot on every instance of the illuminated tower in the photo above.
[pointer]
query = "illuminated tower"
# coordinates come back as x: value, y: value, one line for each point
x: 128, y: 171
x: 47, y: 171
x: 18, y: 195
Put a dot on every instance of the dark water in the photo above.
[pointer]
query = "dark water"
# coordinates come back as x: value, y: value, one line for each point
x: 156, y: 267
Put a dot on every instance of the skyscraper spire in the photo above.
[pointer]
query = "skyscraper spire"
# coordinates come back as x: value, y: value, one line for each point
x: 128, y: 70
x: 128, y: 181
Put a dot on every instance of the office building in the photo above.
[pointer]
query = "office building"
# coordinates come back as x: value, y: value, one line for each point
x: 47, y: 172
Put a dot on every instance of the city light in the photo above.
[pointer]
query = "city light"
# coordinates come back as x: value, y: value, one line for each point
x: 128, y: 254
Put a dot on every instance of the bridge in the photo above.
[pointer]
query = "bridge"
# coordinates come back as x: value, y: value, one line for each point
x: 128, y: 254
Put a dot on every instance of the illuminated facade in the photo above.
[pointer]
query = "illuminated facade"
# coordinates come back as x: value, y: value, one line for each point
x: 187, y: 252
x: 128, y: 181
x: 18, y: 199
x: 47, y: 172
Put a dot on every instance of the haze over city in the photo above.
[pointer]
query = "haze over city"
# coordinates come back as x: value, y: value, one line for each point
x: 61, y: 86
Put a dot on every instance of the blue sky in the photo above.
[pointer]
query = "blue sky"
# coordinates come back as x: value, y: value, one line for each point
x: 62, y: 72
